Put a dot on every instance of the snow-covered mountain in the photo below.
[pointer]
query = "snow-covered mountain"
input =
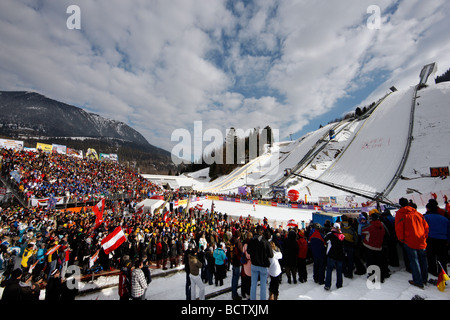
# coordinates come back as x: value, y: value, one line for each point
x: 388, y: 151
x: 34, y: 115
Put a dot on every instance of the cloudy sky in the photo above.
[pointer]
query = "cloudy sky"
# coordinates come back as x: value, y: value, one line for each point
x: 160, y: 65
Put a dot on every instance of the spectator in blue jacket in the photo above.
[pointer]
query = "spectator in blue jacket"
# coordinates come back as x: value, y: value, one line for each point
x: 438, y: 239
x: 220, y: 257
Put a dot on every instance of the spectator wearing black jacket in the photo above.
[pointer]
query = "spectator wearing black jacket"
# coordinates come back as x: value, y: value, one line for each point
x: 210, y: 266
x: 12, y: 288
x: 54, y: 287
x: 187, y: 252
x: 69, y: 288
x: 260, y: 252
x: 27, y: 287
x: 290, y: 256
x: 237, y: 246
x: 335, y: 256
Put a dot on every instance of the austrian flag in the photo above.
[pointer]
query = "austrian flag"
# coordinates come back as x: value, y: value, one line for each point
x: 52, y: 250
x: 93, y: 258
x: 113, y: 240
x: 99, y: 208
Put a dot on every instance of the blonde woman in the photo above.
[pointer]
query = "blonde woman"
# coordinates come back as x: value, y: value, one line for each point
x: 274, y: 272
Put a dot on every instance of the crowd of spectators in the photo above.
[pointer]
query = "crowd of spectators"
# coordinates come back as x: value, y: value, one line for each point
x: 40, y: 175
x: 38, y: 244
x: 217, y: 241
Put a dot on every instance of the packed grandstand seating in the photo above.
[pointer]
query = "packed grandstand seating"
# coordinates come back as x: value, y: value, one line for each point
x: 41, y: 175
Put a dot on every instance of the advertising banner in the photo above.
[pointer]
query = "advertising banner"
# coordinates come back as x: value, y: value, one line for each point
x: 74, y: 153
x: 59, y: 148
x: 279, y: 192
x: 44, y: 147
x: 11, y: 144
x: 92, y: 154
x: 45, y: 201
x: 242, y: 190
x: 109, y: 156
x: 324, y: 200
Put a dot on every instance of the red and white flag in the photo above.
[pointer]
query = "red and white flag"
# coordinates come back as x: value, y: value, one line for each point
x: 292, y: 223
x: 52, y: 250
x: 113, y: 240
x: 93, y: 258
x: 99, y: 208
x: 30, y: 270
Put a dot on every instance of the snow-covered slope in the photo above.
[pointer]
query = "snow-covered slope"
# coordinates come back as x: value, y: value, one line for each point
x: 429, y: 147
x: 366, y: 154
x: 372, y: 158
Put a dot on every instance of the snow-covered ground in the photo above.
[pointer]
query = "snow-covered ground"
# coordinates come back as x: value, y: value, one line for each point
x: 396, y: 287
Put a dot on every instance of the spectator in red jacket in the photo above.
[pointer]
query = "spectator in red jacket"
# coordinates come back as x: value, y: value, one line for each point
x: 301, y: 257
x: 373, y: 243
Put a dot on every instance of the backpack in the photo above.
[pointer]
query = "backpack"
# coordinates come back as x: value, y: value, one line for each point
x: 349, y: 234
x: 124, y: 279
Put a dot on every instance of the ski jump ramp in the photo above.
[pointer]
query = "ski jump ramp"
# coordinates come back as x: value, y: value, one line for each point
x: 376, y: 152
